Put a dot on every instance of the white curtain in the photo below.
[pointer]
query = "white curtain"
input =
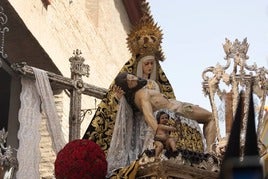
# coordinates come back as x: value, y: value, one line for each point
x: 36, y: 96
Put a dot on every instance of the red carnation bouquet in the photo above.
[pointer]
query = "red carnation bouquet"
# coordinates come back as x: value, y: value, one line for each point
x: 81, y: 159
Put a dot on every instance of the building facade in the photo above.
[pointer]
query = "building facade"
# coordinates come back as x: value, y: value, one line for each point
x: 44, y: 34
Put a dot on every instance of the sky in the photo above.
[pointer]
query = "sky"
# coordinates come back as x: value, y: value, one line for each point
x: 193, y: 34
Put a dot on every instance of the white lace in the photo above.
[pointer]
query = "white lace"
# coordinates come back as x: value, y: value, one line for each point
x: 127, y: 139
x: 49, y: 107
x: 131, y: 136
x: 30, y: 117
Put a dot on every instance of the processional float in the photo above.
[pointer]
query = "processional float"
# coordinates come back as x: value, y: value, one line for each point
x: 225, y: 85
x: 222, y: 84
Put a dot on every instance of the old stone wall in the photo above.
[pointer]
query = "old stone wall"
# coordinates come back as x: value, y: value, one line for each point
x: 96, y: 27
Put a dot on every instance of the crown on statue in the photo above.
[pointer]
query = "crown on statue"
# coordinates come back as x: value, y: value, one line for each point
x: 146, y: 37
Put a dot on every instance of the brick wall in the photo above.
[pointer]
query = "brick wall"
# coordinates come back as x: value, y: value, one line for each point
x: 48, y: 156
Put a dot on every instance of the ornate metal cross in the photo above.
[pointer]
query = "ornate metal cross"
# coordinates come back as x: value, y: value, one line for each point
x: 78, y: 69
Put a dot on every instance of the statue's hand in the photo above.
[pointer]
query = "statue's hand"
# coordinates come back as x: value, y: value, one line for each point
x: 118, y: 92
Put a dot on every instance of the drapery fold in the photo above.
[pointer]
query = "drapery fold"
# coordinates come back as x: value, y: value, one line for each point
x: 36, y: 96
x: 49, y: 107
x: 29, y: 137
x: 128, y: 137
x: 132, y: 136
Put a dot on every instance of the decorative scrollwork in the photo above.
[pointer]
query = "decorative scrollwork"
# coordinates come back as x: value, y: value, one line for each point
x: 3, y: 29
x: 89, y: 111
x: 241, y: 76
x: 19, y: 67
x: 236, y: 48
x: 7, y: 158
x: 77, y: 66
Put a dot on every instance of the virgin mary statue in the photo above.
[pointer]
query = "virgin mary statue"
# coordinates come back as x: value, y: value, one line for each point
x: 118, y: 127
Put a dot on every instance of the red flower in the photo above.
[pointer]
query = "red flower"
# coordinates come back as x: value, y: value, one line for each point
x: 81, y: 159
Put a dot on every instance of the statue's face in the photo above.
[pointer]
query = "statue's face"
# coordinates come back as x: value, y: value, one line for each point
x: 132, y: 81
x: 164, y: 119
x: 147, y: 67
